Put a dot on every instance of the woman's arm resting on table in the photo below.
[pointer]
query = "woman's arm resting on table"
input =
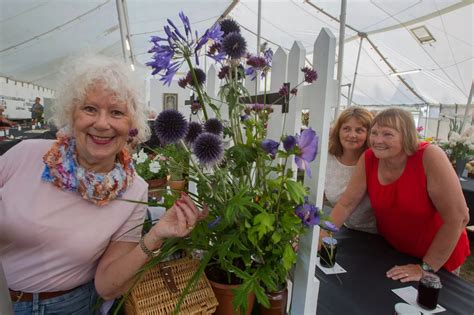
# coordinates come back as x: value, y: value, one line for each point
x: 121, y: 260
x: 446, y: 194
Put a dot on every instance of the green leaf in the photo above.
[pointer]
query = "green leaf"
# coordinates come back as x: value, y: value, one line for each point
x: 289, y: 257
x: 296, y: 191
x: 276, y: 237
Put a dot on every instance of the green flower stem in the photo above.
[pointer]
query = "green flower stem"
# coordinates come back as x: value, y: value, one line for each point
x: 196, y: 84
x: 283, y: 179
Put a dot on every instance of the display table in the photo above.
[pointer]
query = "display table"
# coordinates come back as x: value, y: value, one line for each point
x: 467, y: 185
x: 365, y: 289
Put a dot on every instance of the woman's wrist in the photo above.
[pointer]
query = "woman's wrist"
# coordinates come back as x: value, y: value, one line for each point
x: 152, y: 241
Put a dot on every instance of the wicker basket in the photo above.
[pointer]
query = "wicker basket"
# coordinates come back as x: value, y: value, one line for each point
x: 152, y: 296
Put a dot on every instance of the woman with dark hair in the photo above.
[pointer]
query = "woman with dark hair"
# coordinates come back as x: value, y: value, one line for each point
x: 416, y: 197
x: 347, y: 141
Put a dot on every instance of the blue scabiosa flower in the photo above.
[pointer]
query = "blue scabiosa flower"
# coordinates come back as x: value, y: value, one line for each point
x: 270, y: 146
x: 307, y: 149
x: 234, y: 45
x: 289, y: 143
x: 208, y: 149
x: 308, y: 213
x: 213, y: 125
x: 310, y: 75
x: 170, y: 126
x: 194, y: 130
x: 229, y: 26
x: 200, y: 76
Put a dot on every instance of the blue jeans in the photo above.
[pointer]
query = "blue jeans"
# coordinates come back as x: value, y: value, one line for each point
x: 80, y: 301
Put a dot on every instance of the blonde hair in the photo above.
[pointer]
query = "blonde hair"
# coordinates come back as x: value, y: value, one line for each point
x: 402, y: 121
x: 359, y: 113
x: 83, y: 73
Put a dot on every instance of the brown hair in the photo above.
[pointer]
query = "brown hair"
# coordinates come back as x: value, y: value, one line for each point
x: 359, y: 113
x: 402, y: 121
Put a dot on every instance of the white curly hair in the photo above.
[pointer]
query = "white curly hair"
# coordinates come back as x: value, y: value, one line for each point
x: 82, y: 73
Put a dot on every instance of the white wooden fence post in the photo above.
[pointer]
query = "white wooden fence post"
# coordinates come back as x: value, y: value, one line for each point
x: 275, y: 123
x: 322, y: 96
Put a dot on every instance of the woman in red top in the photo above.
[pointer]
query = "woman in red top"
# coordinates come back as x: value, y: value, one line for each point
x: 415, y: 194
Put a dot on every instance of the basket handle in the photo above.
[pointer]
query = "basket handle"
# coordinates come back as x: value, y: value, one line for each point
x: 168, y: 277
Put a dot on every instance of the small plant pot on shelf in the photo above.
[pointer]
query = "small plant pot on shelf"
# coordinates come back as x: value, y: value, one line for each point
x: 225, y: 295
x: 156, y: 187
x: 278, y: 301
x: 178, y: 184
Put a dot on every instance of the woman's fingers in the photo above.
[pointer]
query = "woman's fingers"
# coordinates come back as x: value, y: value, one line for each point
x: 405, y: 273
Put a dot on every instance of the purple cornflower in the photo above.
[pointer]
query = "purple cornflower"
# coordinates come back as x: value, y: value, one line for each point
x: 213, y: 125
x: 260, y: 63
x: 208, y: 149
x: 310, y: 75
x: 270, y: 146
x: 234, y: 45
x: 194, y: 130
x: 283, y: 90
x: 229, y: 26
x: 307, y: 149
x: 200, y: 77
x: 289, y: 143
x: 308, y: 213
x: 257, y: 107
x: 170, y: 126
x: 169, y: 53
x: 329, y: 226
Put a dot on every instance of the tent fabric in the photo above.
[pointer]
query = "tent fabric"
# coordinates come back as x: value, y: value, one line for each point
x: 36, y: 36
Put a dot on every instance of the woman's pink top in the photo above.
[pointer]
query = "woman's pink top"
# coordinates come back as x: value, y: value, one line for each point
x: 52, y: 240
x: 406, y: 216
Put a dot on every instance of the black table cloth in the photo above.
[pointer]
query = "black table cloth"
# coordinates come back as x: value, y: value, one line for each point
x: 365, y: 289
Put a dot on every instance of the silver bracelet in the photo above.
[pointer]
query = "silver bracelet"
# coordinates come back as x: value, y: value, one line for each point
x: 149, y: 253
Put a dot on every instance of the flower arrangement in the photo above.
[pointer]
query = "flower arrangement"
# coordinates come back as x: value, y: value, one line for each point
x: 257, y: 208
x: 459, y: 146
x: 149, y: 167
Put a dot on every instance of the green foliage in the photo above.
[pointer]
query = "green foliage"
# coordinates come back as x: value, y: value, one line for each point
x: 177, y: 160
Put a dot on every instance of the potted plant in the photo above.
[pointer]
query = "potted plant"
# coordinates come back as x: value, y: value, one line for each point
x: 459, y: 148
x: 177, y: 164
x: 257, y: 208
x: 152, y: 168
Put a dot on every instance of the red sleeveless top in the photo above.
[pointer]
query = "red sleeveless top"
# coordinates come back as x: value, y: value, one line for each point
x: 405, y: 215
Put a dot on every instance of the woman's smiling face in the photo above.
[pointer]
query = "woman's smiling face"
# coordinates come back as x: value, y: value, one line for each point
x: 386, y: 142
x: 100, y: 126
x: 352, y: 134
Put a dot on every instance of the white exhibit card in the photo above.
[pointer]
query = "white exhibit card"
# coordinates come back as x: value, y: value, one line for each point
x: 330, y: 271
x: 409, y: 294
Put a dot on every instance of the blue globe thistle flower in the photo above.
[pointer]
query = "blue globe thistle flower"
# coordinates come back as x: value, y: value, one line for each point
x: 308, y: 213
x: 213, y: 125
x: 289, y: 143
x: 170, y: 126
x: 229, y: 26
x: 270, y: 146
x: 194, y: 130
x: 200, y: 76
x: 234, y: 45
x: 208, y: 149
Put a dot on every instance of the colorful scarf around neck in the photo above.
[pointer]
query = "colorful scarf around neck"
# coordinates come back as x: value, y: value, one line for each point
x: 63, y: 171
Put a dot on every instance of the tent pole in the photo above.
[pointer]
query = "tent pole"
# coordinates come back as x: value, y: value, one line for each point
x: 123, y: 28
x: 340, y: 54
x: 362, y: 35
x: 468, y: 105
x: 259, y: 25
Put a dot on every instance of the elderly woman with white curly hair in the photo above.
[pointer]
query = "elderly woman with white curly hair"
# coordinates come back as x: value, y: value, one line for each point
x: 62, y: 223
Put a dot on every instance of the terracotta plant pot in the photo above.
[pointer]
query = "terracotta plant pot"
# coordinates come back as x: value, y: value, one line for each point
x: 178, y: 184
x: 225, y: 295
x: 155, y: 186
x: 278, y: 301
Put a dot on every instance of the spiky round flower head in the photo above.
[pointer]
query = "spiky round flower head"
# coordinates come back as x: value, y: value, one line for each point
x: 234, y: 45
x: 200, y: 76
x: 194, y: 130
x: 213, y: 125
x: 208, y: 149
x: 229, y: 26
x: 170, y: 126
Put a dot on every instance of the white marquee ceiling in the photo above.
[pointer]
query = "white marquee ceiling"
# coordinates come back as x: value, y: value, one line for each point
x: 36, y: 36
